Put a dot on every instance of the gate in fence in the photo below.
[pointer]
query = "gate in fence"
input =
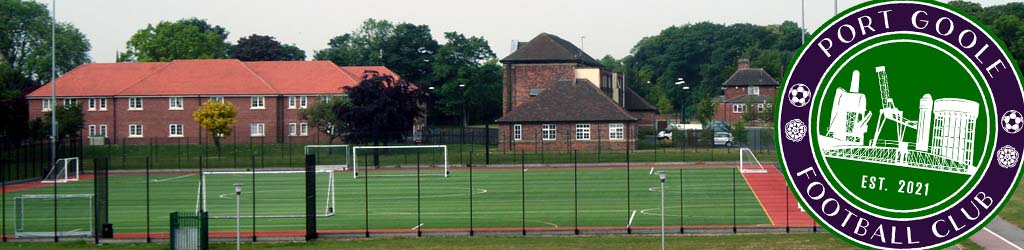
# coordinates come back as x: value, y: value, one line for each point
x: 189, y: 231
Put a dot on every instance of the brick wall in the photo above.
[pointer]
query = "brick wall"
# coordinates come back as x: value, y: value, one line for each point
x: 521, y: 78
x: 647, y: 119
x: 532, y: 138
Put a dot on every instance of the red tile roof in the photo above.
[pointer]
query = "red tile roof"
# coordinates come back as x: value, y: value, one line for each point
x: 207, y: 77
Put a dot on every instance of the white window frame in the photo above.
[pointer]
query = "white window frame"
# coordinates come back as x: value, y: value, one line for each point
x: 103, y: 104
x: 582, y: 131
x: 257, y: 129
x: 753, y: 90
x: 760, y: 107
x: 103, y: 130
x: 176, y: 100
x: 135, y: 103
x: 616, y: 131
x: 92, y: 130
x: 258, y: 102
x: 69, y: 102
x: 132, y: 131
x: 303, y: 102
x: 517, y: 132
x: 92, y: 104
x: 293, y: 129
x: 180, y: 129
x: 47, y: 105
x: 739, y: 108
x: 291, y: 102
x: 303, y: 129
x: 549, y: 132
x: 219, y: 99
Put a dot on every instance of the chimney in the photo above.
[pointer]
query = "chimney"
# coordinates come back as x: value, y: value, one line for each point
x: 515, y: 46
x: 743, y: 64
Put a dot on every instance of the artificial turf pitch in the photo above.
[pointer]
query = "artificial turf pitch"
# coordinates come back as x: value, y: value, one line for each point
x: 552, y: 198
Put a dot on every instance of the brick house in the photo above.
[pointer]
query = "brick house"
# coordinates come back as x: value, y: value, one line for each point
x: 153, y: 102
x: 555, y: 97
x: 747, y: 88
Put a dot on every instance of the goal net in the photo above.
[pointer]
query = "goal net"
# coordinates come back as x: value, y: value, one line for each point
x: 412, y: 160
x: 63, y: 170
x: 329, y: 156
x: 278, y: 194
x: 749, y: 162
x: 34, y: 215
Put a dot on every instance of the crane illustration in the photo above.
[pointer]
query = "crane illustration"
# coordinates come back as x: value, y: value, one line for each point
x: 889, y: 110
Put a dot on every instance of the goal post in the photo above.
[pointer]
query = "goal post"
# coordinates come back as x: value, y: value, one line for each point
x: 283, y: 189
x: 433, y: 158
x: 334, y: 157
x: 34, y: 215
x: 63, y: 171
x: 749, y: 162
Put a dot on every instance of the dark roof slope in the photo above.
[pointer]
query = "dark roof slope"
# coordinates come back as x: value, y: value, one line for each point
x: 569, y: 102
x: 550, y: 48
x: 636, y: 103
x: 751, y: 77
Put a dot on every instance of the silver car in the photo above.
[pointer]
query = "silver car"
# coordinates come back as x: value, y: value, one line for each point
x: 723, y: 139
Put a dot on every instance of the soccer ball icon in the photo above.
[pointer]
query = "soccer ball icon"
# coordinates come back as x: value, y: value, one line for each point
x: 1011, y: 121
x: 799, y: 95
x: 1007, y: 156
x: 796, y: 130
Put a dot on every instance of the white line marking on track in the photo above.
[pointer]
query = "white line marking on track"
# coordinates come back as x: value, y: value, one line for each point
x: 1003, y: 239
x: 631, y: 216
x: 173, y: 178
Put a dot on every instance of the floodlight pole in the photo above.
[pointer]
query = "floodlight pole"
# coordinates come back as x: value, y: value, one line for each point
x: 238, y: 216
x: 662, y: 175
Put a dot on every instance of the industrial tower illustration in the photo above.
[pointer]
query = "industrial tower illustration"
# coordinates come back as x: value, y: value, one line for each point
x: 945, y: 131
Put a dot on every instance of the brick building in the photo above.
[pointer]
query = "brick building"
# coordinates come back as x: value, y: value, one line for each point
x: 555, y: 96
x: 748, y: 88
x: 153, y: 102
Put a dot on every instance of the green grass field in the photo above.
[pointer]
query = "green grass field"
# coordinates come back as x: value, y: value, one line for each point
x: 552, y: 200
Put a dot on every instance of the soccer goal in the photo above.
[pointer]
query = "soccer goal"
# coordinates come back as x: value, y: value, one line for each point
x: 34, y: 215
x: 410, y: 160
x: 278, y: 194
x: 64, y: 170
x: 749, y: 162
x: 329, y: 156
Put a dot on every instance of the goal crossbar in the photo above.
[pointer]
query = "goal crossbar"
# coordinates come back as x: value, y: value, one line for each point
x: 355, y: 168
x: 308, y: 149
x: 749, y: 162
x: 20, y: 224
x: 63, y: 171
x: 329, y: 204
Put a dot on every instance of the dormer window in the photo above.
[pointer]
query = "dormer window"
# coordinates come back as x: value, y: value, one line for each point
x: 753, y: 90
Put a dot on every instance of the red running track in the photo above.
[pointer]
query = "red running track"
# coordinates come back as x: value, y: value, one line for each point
x: 775, y: 197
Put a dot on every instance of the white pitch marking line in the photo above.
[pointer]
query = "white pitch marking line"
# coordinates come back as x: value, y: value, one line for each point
x: 631, y: 216
x: 417, y: 226
x: 652, y: 172
x: 173, y: 178
x: 1001, y: 238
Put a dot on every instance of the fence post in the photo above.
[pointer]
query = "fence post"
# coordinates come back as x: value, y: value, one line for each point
x: 310, y: 197
x: 733, y: 200
x: 575, y: 196
x: 3, y: 192
x: 148, y: 166
x: 522, y: 178
x: 487, y: 144
x: 253, y: 193
x: 681, y: 225
x: 629, y: 203
x: 471, y: 191
x: 419, y: 213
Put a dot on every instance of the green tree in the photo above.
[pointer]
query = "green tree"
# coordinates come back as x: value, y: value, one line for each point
x: 183, y: 39
x: 706, y: 110
x: 466, y: 61
x: 406, y: 49
x: 69, y: 122
x: 322, y: 116
x: 264, y: 48
x: 218, y: 118
x: 739, y: 133
x: 25, y: 41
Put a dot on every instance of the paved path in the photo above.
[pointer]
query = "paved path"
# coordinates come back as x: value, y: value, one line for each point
x: 1000, y: 234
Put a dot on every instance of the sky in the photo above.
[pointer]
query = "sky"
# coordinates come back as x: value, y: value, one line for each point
x: 603, y: 27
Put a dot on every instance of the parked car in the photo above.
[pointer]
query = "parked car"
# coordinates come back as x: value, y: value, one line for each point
x: 723, y: 139
x: 665, y: 134
x: 718, y: 126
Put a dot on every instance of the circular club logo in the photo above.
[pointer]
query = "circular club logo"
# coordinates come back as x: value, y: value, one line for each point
x: 902, y: 125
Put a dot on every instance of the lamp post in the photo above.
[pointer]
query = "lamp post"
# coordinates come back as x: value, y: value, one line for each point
x: 681, y: 82
x: 238, y: 216
x: 662, y: 175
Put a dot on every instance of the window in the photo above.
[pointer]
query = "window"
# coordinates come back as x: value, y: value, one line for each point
x: 256, y: 129
x: 176, y: 103
x: 303, y: 129
x: 92, y: 104
x: 517, y: 132
x: 616, y: 131
x: 753, y: 90
x: 177, y: 130
x: 134, y: 103
x: 739, y: 108
x: 103, y: 104
x: 257, y: 102
x: 302, y: 102
x: 69, y: 102
x: 47, y: 104
x: 548, y: 132
x: 219, y: 99
x: 292, y: 129
x: 92, y: 130
x: 583, y: 132
x: 134, y: 130
x: 291, y: 102
x: 103, y: 130
x: 760, y: 107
